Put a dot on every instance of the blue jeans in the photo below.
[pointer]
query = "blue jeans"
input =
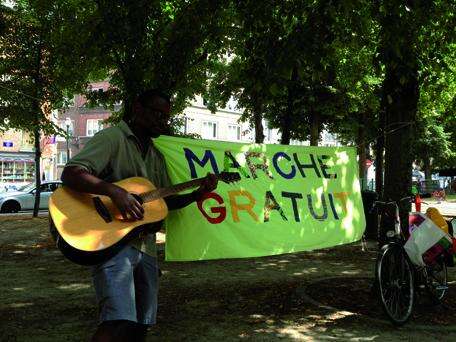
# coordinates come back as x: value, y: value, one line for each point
x: 126, y: 287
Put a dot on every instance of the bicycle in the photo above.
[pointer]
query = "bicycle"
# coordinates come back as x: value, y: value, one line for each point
x: 397, y: 279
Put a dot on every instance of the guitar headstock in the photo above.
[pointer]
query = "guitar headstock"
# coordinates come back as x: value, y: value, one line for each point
x: 229, y: 177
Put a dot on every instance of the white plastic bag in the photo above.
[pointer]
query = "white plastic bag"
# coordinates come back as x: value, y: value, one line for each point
x: 424, y: 234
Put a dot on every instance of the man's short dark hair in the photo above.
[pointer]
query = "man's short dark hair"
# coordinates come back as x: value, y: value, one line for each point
x: 146, y: 95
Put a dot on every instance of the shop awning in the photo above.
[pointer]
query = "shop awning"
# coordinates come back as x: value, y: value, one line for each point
x: 7, y: 157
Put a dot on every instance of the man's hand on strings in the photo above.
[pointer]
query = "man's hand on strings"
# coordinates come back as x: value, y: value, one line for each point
x: 128, y: 205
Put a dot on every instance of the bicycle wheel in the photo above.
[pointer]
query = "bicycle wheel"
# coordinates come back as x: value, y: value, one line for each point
x: 437, y: 280
x: 394, y: 275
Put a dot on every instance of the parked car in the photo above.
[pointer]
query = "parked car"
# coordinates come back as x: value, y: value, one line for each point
x: 7, y: 186
x: 24, y: 197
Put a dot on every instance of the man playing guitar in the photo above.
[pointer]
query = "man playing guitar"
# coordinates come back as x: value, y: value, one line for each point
x: 126, y: 285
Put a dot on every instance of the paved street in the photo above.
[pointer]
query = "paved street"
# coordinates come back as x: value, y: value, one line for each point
x: 445, y: 208
x: 27, y: 213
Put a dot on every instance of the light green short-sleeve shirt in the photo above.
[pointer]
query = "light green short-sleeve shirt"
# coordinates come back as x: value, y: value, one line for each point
x: 114, y: 154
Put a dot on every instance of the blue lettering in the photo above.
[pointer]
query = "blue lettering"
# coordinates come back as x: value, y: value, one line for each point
x: 191, y: 157
x: 276, y: 165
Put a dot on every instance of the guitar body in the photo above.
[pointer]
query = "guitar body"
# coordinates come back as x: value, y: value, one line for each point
x: 91, y: 229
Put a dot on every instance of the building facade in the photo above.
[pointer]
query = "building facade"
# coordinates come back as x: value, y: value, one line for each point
x: 17, y: 158
x: 82, y: 122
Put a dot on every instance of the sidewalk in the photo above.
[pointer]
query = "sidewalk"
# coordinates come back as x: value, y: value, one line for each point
x: 447, y: 209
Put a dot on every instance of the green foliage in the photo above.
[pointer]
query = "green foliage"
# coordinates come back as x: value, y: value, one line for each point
x: 156, y: 44
x: 435, y: 135
x: 297, y: 59
x: 41, y: 61
x: 414, y: 36
x: 302, y: 65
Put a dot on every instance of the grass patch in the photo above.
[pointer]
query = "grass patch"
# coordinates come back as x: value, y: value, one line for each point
x: 44, y: 297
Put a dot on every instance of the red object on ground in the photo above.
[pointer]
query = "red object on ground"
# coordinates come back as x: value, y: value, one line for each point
x: 418, y: 203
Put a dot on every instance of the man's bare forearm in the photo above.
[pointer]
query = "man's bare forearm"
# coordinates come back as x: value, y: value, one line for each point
x: 180, y: 201
x: 80, y: 180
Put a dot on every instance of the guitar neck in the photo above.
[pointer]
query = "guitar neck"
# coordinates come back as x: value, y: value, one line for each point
x: 174, y: 189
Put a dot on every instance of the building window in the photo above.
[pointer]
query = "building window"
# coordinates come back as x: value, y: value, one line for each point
x: 329, y: 138
x: 62, y: 125
x: 17, y: 171
x: 62, y: 158
x: 268, y: 134
x: 209, y: 130
x: 93, y: 126
x: 185, y: 128
x: 96, y: 89
x: 298, y: 142
x: 231, y: 104
x: 234, y: 132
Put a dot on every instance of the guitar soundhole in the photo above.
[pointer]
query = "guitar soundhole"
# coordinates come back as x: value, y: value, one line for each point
x: 138, y: 198
x: 102, y: 210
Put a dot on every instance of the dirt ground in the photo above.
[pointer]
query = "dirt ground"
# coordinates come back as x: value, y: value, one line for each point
x: 44, y: 297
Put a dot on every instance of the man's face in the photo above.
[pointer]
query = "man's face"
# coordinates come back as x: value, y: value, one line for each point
x: 153, y: 116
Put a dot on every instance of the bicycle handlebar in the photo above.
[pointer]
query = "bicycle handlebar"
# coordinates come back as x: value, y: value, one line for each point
x: 383, y: 203
x: 395, y: 202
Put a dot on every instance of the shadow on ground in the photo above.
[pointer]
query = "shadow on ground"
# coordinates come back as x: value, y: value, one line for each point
x: 46, y: 298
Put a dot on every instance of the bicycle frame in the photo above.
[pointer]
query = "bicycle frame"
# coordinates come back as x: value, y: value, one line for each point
x: 395, y: 235
x: 420, y: 276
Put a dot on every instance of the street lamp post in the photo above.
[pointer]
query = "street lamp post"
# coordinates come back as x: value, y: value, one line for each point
x: 67, y: 124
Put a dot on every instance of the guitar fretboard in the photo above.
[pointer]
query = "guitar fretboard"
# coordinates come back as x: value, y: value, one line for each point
x: 174, y: 189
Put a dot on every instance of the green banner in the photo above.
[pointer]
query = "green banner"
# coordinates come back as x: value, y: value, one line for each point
x: 289, y: 199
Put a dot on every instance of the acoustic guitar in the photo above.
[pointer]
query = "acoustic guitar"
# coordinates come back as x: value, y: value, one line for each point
x: 89, y: 228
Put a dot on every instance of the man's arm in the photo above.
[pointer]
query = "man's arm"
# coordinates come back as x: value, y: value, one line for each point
x: 79, y: 179
x: 180, y: 201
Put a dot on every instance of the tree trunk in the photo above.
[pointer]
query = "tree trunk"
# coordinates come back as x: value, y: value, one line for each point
x: 286, y: 136
x: 361, y: 147
x: 259, y: 134
x: 36, y: 136
x: 258, y: 122
x: 286, y: 119
x: 36, y: 107
x: 427, y: 168
x: 401, y: 89
x: 399, y: 43
x: 314, y: 128
x: 379, y: 150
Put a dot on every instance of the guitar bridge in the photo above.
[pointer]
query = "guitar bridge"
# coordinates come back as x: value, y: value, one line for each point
x: 102, y: 210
